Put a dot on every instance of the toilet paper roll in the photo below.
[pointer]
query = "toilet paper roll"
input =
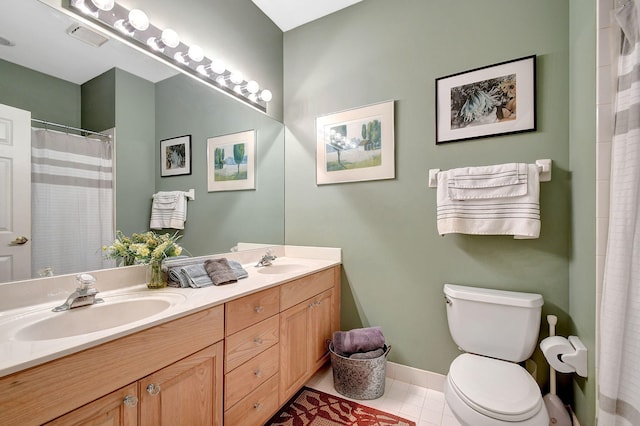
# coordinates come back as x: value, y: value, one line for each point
x: 555, y: 346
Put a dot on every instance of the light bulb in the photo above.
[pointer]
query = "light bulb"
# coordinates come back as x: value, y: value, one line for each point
x: 138, y: 19
x: 253, y: 97
x: 196, y: 53
x: 87, y: 8
x: 253, y: 86
x: 236, y: 77
x: 238, y: 89
x: 266, y: 95
x: 169, y: 38
x: 217, y: 66
x: 221, y: 81
x: 105, y: 5
x: 202, y: 69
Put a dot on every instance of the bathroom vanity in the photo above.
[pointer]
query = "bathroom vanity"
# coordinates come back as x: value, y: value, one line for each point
x: 218, y: 355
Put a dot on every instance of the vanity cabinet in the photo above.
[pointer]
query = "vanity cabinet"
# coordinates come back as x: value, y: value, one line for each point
x: 40, y: 394
x: 310, y: 314
x: 252, y: 358
x: 186, y: 392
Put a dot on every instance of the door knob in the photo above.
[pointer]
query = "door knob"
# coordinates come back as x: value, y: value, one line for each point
x: 19, y: 241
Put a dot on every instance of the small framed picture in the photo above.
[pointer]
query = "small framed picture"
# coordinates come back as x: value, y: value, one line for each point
x: 175, y: 156
x: 356, y: 145
x: 493, y: 100
x: 231, y: 162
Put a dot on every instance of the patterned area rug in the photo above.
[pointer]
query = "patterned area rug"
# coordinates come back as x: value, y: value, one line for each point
x: 310, y: 407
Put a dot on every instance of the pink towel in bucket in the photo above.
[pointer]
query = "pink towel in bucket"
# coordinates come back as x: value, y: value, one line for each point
x: 367, y: 339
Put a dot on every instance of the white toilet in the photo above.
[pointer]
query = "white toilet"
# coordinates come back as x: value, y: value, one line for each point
x: 497, y: 329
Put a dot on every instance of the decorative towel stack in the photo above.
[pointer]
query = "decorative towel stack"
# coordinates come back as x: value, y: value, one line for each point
x: 490, y: 200
x: 168, y: 210
x: 195, y: 273
x: 359, y: 343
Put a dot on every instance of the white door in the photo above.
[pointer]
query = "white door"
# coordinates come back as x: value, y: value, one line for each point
x: 15, y: 194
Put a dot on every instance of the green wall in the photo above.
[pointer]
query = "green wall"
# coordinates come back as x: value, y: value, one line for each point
x: 48, y: 98
x: 582, y: 142
x: 395, y: 263
x: 219, y: 220
x: 135, y: 151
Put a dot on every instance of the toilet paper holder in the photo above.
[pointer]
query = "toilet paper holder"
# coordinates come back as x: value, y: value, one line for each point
x: 565, y: 355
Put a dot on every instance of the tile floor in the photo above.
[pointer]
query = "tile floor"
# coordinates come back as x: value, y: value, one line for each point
x: 424, y: 406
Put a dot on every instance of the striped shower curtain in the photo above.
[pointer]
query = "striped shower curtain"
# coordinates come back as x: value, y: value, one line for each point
x: 71, y: 201
x: 619, y: 348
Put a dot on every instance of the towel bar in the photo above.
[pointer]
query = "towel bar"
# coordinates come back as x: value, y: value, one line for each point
x: 190, y: 194
x: 544, y: 169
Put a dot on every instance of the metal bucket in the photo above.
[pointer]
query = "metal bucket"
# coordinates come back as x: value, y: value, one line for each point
x: 359, y: 378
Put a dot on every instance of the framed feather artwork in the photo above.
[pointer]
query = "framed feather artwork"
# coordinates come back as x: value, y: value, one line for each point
x: 494, y: 100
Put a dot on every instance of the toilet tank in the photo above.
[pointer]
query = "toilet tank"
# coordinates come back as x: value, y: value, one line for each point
x: 495, y: 323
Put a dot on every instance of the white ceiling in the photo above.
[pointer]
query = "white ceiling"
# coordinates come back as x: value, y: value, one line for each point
x: 289, y: 14
x: 41, y: 43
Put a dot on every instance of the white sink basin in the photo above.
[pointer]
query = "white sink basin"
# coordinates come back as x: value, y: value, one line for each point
x: 113, y: 312
x: 281, y: 269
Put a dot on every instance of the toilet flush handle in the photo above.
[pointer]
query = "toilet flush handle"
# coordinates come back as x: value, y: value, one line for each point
x: 448, y: 301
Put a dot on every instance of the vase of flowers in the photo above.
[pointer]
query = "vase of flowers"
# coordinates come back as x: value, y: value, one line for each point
x: 148, y: 248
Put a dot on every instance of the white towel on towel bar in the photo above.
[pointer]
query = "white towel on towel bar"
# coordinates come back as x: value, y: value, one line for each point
x: 517, y: 215
x: 501, y: 180
x: 168, y: 210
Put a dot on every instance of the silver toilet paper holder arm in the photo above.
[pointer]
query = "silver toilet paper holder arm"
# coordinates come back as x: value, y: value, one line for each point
x: 573, y: 360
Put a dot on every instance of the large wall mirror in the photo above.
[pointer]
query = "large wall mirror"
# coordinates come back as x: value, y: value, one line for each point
x: 114, y: 88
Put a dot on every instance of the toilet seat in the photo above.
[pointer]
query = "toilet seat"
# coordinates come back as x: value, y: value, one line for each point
x: 498, y: 389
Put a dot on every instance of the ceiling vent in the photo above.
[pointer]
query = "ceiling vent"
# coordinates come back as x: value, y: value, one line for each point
x: 86, y: 35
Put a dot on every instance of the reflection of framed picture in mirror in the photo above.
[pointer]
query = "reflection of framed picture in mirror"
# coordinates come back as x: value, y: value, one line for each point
x: 175, y: 156
x: 231, y: 162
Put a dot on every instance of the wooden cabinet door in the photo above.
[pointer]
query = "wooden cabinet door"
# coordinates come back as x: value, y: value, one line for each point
x: 321, y: 328
x: 119, y: 408
x: 294, y: 349
x: 186, y: 393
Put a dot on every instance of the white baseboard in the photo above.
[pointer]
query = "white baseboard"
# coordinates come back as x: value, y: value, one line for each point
x: 414, y: 376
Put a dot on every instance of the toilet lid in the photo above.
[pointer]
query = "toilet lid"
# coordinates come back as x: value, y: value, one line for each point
x: 495, y: 388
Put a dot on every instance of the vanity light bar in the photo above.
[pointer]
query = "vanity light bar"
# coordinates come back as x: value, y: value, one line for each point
x: 135, y: 27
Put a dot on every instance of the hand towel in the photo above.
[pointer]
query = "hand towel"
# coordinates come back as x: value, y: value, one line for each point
x: 238, y: 269
x: 196, y: 275
x: 168, y: 210
x: 518, y: 215
x: 499, y: 181
x: 219, y: 271
x: 172, y: 265
x: 367, y: 339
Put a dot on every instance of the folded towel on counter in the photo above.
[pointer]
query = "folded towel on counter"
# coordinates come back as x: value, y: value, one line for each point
x: 498, y: 181
x: 507, y: 215
x: 368, y: 355
x: 238, y: 269
x: 195, y: 275
x: 219, y: 271
x: 168, y: 210
x: 367, y: 339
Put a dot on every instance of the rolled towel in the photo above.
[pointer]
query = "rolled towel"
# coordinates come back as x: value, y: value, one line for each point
x: 368, y: 355
x: 219, y: 271
x: 367, y: 339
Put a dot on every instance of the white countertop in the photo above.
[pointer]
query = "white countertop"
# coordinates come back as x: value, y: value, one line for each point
x: 18, y: 353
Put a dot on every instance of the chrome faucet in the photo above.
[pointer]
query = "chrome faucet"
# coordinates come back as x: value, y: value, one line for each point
x: 84, y: 295
x: 266, y: 260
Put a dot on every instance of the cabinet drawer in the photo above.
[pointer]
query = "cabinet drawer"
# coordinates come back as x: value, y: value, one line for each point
x: 257, y: 407
x: 251, y: 309
x: 304, y: 288
x: 250, y: 375
x: 246, y: 344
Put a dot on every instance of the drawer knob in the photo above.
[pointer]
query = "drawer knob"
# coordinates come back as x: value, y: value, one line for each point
x: 130, y: 401
x: 257, y: 373
x: 153, y: 389
x: 257, y: 341
x: 257, y: 405
x: 259, y: 309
